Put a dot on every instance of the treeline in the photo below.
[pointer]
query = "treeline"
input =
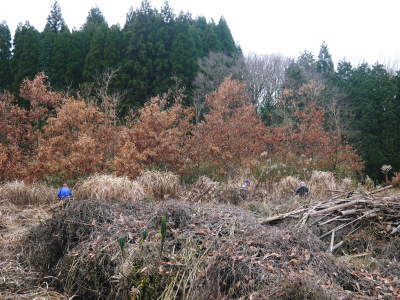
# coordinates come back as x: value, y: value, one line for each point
x: 157, y: 51
x: 152, y: 51
x: 60, y: 138
x: 362, y: 104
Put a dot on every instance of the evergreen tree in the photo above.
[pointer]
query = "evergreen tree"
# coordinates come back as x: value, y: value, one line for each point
x: 144, y: 55
x: 76, y: 58
x: 94, y: 61
x: 183, y: 60
x: 54, y: 47
x: 5, y: 57
x: 199, y: 29
x: 113, y: 47
x: 94, y: 19
x: 325, y: 63
x: 225, y: 38
x: 373, y: 97
x: 55, y: 21
x: 60, y: 59
x: 212, y: 43
x: 25, y: 60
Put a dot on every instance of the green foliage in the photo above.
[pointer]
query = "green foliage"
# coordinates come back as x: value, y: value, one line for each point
x: 373, y: 97
x: 324, y: 63
x: 163, y: 232
x: 55, y: 21
x: 25, y: 60
x: 5, y: 57
x: 152, y: 51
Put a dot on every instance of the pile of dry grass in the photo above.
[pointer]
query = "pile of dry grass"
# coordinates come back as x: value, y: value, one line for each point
x: 160, y: 185
x: 115, y: 251
x: 321, y: 184
x: 20, y: 193
x: 109, y: 188
x: 286, y: 186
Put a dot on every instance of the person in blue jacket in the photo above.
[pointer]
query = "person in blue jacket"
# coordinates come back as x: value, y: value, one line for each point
x: 64, y: 192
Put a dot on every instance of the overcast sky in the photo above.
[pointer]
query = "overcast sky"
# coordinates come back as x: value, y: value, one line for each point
x: 358, y: 30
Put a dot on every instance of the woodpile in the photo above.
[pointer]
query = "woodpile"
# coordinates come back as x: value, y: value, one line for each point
x: 347, y: 212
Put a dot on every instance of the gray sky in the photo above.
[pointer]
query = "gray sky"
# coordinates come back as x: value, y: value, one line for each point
x: 358, y: 30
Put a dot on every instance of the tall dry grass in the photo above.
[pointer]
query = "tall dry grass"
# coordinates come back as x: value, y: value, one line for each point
x: 109, y: 188
x: 160, y: 185
x: 286, y: 186
x: 321, y: 183
x: 18, y: 192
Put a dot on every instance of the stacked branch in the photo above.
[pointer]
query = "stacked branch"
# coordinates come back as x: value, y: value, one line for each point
x: 346, y: 212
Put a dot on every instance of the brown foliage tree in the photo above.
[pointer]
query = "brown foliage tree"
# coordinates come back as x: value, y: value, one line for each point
x: 231, y: 132
x: 156, y: 138
x: 75, y: 143
x: 304, y: 138
x: 20, y: 127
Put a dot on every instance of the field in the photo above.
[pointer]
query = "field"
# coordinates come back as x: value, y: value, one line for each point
x: 154, y: 238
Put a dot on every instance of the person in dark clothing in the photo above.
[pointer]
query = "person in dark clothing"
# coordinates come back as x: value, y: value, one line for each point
x: 303, y: 190
x: 64, y: 192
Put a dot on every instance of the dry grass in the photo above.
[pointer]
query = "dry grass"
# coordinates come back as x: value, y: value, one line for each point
x: 320, y: 184
x: 160, y: 185
x: 20, y: 193
x: 109, y: 188
x: 286, y: 186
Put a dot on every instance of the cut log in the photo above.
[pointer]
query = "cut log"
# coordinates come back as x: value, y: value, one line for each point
x: 395, y: 230
x: 332, y: 242
x: 347, y: 224
x: 381, y: 189
x: 339, y: 207
x: 282, y: 216
x: 337, y: 246
x: 352, y: 211
x: 330, y: 220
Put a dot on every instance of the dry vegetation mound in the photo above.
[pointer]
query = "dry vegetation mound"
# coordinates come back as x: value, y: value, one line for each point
x: 98, y: 250
x: 160, y: 185
x: 110, y: 188
x: 20, y: 193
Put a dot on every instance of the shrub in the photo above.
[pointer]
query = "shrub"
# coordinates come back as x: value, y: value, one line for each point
x: 20, y: 193
x: 109, y: 188
x: 159, y: 185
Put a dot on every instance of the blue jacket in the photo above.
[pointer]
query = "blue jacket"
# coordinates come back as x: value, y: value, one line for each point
x: 64, y: 192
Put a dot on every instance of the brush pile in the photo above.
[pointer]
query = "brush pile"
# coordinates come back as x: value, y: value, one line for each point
x: 103, y: 250
x: 345, y: 213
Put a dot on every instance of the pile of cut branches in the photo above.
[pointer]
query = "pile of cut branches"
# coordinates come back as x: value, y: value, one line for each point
x: 345, y: 213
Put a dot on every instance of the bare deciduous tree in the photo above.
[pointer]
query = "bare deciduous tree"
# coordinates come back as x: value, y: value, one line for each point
x: 265, y: 75
x: 214, y: 68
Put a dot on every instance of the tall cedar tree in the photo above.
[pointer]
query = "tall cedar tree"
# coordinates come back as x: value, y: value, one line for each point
x: 25, y: 60
x: 5, y: 57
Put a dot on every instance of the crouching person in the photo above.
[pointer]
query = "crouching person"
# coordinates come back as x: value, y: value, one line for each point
x: 303, y: 190
x: 64, y: 192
